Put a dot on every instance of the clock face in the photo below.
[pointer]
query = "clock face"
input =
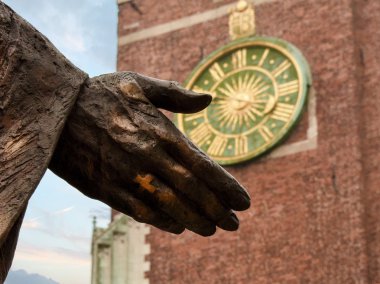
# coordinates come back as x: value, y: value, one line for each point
x: 259, y: 87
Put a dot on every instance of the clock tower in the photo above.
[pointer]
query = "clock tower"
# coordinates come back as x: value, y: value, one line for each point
x: 308, y: 154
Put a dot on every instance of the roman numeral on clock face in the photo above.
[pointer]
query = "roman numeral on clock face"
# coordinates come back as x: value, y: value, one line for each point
x: 283, y: 112
x: 202, y: 91
x: 266, y: 133
x: 288, y: 88
x: 200, y: 135
x: 263, y: 57
x: 239, y: 58
x: 217, y: 146
x: 194, y: 116
x: 216, y: 72
x: 241, y: 145
x: 198, y: 90
x: 281, y: 68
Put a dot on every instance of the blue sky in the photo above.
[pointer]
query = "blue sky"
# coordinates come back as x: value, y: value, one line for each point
x: 56, y: 234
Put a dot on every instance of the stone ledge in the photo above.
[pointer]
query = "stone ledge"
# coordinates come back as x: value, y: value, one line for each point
x: 182, y: 23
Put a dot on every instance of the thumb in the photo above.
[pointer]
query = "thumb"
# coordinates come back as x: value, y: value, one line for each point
x: 171, y: 96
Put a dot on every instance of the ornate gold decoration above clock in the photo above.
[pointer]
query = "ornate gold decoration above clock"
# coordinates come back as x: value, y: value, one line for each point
x: 259, y: 87
x: 242, y: 20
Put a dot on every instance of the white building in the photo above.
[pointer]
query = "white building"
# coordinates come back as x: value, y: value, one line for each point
x: 118, y: 252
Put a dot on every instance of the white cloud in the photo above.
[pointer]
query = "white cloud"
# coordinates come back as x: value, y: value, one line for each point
x: 52, y: 255
x: 54, y: 224
x: 63, y: 211
x: 31, y: 224
x: 97, y: 3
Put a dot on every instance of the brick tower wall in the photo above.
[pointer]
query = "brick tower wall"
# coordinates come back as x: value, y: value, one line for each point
x: 316, y: 199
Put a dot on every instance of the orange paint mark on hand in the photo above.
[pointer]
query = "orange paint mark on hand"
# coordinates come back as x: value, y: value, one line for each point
x: 145, y: 182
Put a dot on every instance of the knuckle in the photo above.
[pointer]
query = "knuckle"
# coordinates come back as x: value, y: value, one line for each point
x: 174, y: 84
x: 122, y: 124
x: 128, y: 75
x: 188, y: 177
x: 148, y: 146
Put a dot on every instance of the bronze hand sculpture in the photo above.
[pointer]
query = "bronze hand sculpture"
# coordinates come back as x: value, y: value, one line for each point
x: 118, y: 148
x: 106, y: 137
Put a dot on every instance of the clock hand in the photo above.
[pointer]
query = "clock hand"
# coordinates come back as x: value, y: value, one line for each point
x: 271, y: 100
x: 270, y: 105
x: 235, y: 99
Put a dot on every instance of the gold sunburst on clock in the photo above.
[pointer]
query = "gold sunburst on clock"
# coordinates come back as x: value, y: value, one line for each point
x: 243, y: 98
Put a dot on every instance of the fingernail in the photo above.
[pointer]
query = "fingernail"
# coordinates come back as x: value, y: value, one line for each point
x: 229, y: 223
x: 176, y: 229
x: 242, y: 203
x: 205, y: 231
x: 170, y: 227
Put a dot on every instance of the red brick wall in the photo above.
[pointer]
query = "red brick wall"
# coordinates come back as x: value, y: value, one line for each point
x: 315, y: 214
x: 151, y: 13
x: 368, y: 48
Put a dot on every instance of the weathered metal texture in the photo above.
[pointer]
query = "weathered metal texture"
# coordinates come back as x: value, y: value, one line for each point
x: 116, y: 145
x: 119, y: 148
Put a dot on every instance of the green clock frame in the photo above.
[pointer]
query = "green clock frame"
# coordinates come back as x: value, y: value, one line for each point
x: 259, y: 87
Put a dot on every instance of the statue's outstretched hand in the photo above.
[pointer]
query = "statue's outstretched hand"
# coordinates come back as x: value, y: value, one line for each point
x: 117, y: 147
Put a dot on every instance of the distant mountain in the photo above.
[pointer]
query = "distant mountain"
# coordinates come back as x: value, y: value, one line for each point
x: 23, y: 277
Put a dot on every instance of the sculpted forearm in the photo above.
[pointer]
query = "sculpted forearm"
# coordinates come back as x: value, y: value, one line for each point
x: 38, y: 87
